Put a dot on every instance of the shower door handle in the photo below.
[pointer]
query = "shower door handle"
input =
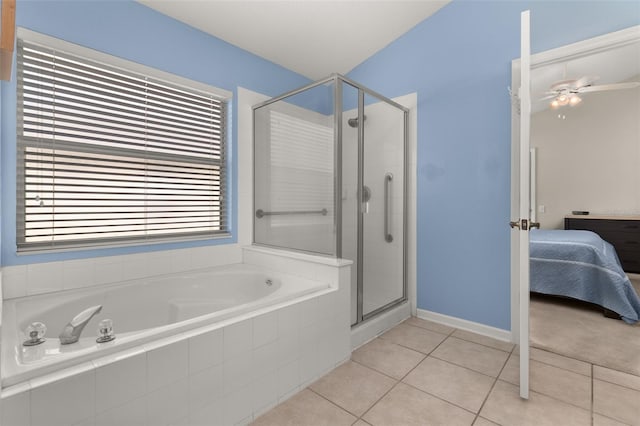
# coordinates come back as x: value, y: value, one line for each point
x: 387, y: 207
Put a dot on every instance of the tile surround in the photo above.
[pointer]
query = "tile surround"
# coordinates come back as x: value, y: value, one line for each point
x: 48, y: 277
x: 230, y: 371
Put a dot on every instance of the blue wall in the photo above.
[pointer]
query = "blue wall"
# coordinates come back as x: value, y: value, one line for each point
x: 459, y: 63
x: 131, y: 31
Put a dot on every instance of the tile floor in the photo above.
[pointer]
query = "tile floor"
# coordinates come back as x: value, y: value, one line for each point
x: 423, y: 373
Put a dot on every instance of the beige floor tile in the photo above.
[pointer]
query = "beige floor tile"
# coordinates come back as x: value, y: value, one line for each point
x: 556, y: 360
x: 458, y: 385
x: 560, y: 361
x: 387, y: 357
x: 480, y: 358
x: 405, y: 405
x: 480, y: 421
x: 504, y: 406
x: 484, y: 340
x: 361, y: 423
x: 415, y: 338
x: 305, y: 408
x: 616, y: 377
x: 555, y: 382
x: 617, y: 402
x: 353, y: 387
x: 511, y: 371
x: 599, y: 420
x: 430, y: 325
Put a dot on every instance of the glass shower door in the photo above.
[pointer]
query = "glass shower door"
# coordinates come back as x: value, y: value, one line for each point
x: 382, y: 238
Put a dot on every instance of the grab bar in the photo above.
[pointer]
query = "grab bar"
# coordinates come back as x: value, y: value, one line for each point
x: 261, y: 213
x: 387, y: 206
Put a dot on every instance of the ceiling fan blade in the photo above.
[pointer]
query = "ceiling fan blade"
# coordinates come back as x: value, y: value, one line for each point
x: 547, y: 97
x: 603, y: 87
x: 585, y: 81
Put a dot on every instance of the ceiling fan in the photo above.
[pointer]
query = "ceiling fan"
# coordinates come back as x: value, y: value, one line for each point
x: 566, y: 92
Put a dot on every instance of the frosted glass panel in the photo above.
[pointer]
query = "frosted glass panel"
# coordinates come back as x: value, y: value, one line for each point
x: 383, y: 213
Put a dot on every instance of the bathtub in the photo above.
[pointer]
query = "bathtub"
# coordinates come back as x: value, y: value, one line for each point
x: 142, y: 311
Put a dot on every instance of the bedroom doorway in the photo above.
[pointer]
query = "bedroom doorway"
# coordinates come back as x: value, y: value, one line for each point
x: 551, y: 212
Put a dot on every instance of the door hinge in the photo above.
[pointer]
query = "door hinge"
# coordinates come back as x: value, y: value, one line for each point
x: 515, y: 100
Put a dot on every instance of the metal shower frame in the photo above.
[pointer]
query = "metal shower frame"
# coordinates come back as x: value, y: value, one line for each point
x: 338, y: 80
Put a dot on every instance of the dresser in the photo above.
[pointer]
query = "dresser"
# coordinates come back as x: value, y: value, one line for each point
x: 623, y: 232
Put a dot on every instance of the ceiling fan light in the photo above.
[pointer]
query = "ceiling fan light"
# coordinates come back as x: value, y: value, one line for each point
x: 574, y: 100
x: 554, y: 104
x: 562, y: 100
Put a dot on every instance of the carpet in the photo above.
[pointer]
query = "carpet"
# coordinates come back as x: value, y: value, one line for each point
x: 580, y: 331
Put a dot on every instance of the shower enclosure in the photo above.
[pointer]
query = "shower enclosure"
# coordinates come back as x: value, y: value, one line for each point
x: 330, y: 178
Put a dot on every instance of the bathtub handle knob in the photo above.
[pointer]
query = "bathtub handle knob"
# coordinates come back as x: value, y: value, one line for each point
x: 105, y: 331
x: 36, y: 332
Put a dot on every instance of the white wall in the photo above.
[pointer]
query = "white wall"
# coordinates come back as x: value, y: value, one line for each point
x: 590, y: 160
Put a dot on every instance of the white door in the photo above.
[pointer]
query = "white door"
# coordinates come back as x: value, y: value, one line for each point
x: 522, y: 224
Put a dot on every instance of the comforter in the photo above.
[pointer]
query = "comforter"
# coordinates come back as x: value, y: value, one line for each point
x: 581, y: 265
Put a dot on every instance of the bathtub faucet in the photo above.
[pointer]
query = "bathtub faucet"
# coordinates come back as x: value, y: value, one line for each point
x: 73, y: 329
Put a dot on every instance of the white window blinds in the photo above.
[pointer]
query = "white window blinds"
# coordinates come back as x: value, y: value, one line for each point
x: 301, y: 174
x: 108, y: 156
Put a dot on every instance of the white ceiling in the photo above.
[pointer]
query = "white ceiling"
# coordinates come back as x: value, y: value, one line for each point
x: 314, y: 38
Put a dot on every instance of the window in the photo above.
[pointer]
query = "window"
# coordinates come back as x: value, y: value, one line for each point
x: 112, y: 156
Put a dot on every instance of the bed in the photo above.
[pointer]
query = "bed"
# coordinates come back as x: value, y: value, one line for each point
x: 581, y: 265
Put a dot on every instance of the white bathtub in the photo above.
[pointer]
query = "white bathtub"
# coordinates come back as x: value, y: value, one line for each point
x: 142, y: 311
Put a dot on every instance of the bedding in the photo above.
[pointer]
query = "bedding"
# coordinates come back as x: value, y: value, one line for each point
x: 581, y: 265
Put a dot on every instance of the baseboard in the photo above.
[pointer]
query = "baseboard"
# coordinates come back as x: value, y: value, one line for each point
x: 475, y: 327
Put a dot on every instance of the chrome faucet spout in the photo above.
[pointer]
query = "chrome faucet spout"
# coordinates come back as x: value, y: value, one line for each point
x: 72, y: 331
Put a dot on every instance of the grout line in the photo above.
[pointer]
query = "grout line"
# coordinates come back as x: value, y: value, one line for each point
x: 592, y: 365
x: 428, y: 393
x: 470, y: 369
x: 380, y: 399
x: 428, y: 329
x: 385, y: 374
x: 332, y: 403
x: 403, y: 377
x: 486, y: 398
x: 592, y: 412
x: 481, y: 344
x: 556, y: 366
x: 586, y: 362
x: 439, y: 397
